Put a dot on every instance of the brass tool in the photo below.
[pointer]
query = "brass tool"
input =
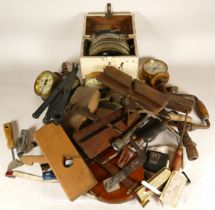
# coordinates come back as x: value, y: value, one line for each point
x: 155, y: 72
x: 11, y: 145
x: 58, y: 99
x: 46, y: 82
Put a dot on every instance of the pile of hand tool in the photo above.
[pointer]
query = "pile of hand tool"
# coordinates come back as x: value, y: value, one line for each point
x: 97, y: 135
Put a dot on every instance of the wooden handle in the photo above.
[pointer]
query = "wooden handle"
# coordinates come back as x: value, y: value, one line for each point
x: 201, y: 110
x: 8, y: 131
x: 192, y: 152
x: 179, y: 117
x: 177, y: 161
x: 190, y: 145
x: 31, y: 159
x: 126, y: 155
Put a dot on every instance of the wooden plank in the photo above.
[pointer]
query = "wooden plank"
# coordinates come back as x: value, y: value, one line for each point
x: 98, y: 23
x: 113, y: 73
x: 101, y: 140
x: 84, y: 97
x: 150, y: 93
x: 150, y: 99
x: 180, y: 103
x: 57, y: 147
x: 98, y: 125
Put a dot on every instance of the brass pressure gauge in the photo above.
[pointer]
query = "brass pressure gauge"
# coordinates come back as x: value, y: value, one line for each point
x: 46, y: 82
x: 155, y: 72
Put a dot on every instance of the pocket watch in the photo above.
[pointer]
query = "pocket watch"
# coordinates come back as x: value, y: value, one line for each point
x: 155, y: 72
x: 46, y: 82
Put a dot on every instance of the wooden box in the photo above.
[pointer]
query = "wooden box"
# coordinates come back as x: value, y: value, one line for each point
x: 95, y: 22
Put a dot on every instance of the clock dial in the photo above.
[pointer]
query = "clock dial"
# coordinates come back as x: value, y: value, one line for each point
x: 45, y: 82
x: 154, y: 66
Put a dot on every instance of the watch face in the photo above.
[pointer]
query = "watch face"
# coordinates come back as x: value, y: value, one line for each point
x: 91, y: 80
x: 44, y: 83
x: 154, y: 66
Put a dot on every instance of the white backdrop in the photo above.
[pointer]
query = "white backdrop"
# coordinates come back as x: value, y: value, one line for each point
x: 40, y: 35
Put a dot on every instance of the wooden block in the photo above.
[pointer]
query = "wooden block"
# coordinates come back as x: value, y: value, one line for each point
x: 84, y: 97
x: 98, y: 125
x: 57, y: 147
x: 31, y: 159
x: 124, y: 79
x: 150, y: 93
x: 180, y: 103
x: 149, y: 98
x: 99, y: 140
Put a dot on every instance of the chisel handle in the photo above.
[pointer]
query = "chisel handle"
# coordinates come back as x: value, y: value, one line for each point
x: 8, y: 131
x: 201, y: 110
x: 191, y: 150
x: 177, y: 160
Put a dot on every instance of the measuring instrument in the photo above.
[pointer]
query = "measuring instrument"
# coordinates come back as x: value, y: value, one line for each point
x: 46, y: 82
x: 91, y: 80
x: 59, y: 97
x: 155, y: 72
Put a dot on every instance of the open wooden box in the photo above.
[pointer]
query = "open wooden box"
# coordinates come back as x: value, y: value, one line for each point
x: 109, y: 21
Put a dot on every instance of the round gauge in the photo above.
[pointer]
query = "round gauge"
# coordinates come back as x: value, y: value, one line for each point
x: 46, y: 82
x: 91, y: 81
x: 154, y: 66
x: 154, y: 72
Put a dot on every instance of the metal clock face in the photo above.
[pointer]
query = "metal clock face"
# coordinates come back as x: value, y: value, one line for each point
x: 45, y: 82
x: 154, y: 66
x: 91, y: 81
